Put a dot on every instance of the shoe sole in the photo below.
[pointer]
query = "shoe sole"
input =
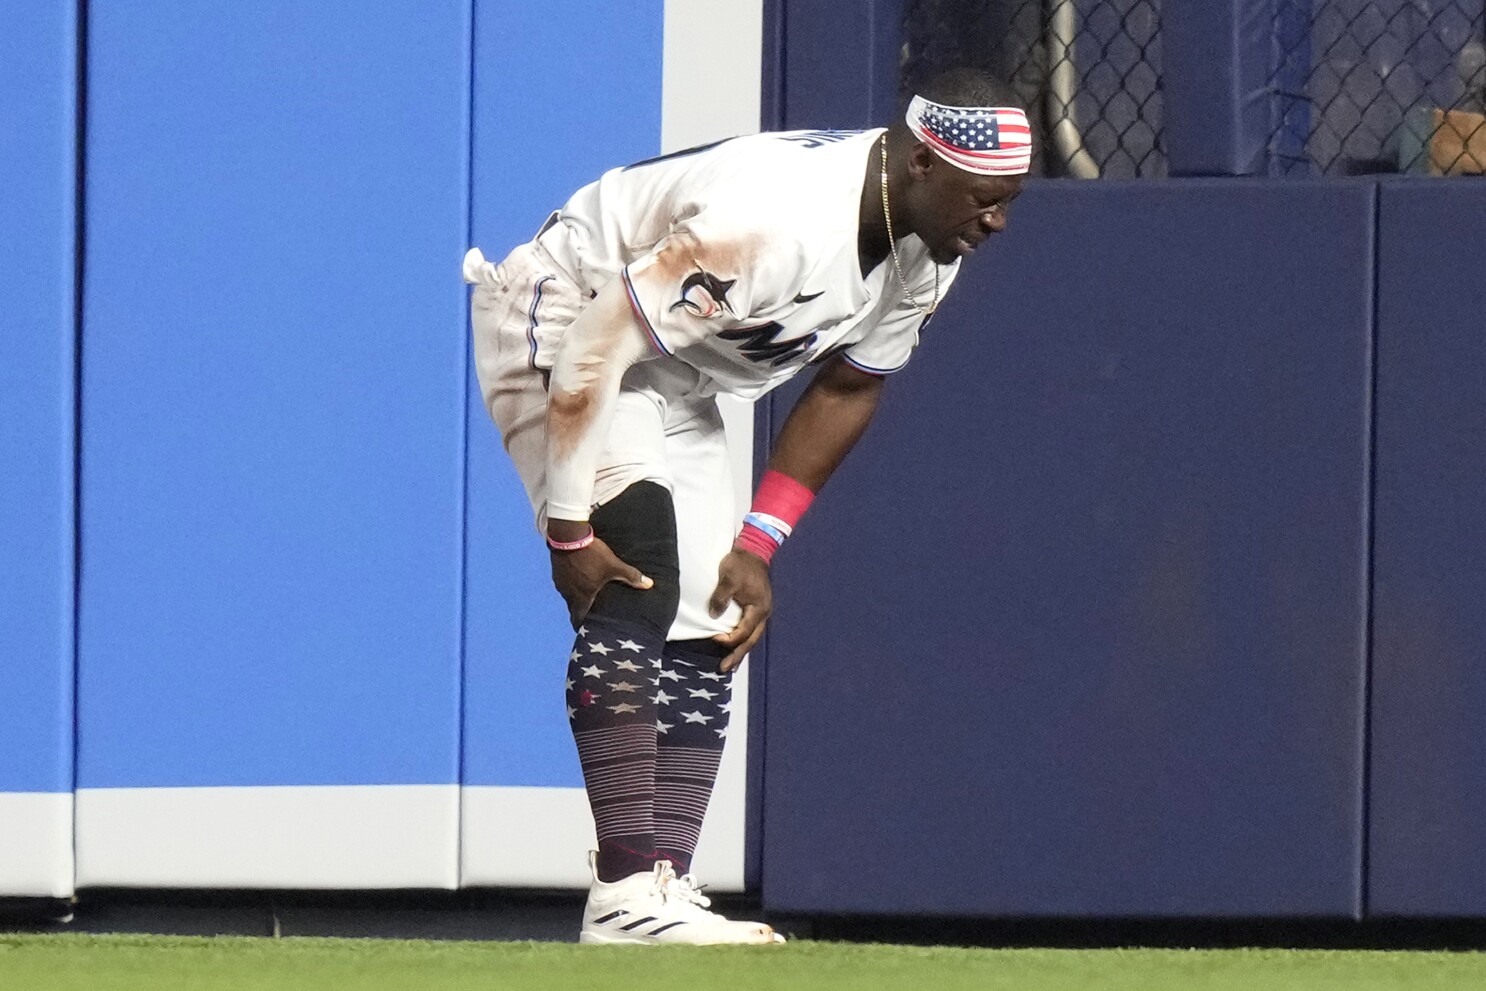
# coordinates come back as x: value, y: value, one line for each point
x: 605, y: 939
x: 626, y: 939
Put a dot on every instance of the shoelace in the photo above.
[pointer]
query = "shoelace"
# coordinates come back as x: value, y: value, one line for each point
x: 662, y: 878
x: 688, y: 890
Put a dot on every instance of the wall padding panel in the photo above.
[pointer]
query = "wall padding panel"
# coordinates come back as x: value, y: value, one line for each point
x: 1078, y: 629
x: 38, y: 118
x: 1428, y: 796
x: 273, y: 398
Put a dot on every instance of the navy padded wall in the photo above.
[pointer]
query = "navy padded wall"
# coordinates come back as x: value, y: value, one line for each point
x: 1078, y: 630
x: 273, y: 379
x: 1428, y: 794
x: 840, y: 63
x: 38, y: 117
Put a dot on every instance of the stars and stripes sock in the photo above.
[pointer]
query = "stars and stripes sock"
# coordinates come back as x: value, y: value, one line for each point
x: 611, y: 680
x: 692, y: 704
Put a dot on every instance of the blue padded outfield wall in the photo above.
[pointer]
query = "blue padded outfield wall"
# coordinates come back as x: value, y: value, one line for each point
x: 284, y: 483
x: 1153, y: 592
x: 38, y: 119
x: 273, y: 368
x: 36, y: 397
x: 272, y: 363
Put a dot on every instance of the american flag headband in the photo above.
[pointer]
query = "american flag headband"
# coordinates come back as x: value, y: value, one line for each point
x: 985, y: 140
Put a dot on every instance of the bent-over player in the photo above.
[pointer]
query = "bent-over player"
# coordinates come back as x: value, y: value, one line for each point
x: 600, y: 346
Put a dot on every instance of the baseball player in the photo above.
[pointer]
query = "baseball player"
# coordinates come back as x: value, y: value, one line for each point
x: 600, y: 348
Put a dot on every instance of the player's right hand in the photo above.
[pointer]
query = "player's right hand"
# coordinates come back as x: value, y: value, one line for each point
x: 742, y: 578
x: 580, y: 575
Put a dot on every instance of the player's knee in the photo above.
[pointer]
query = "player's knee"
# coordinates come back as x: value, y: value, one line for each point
x: 639, y: 525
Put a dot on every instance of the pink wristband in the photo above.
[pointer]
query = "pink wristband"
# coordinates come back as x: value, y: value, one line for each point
x: 755, y: 542
x: 782, y: 497
x: 777, y: 507
x: 572, y: 545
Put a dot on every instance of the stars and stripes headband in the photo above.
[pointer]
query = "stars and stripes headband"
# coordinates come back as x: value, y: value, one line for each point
x: 986, y: 140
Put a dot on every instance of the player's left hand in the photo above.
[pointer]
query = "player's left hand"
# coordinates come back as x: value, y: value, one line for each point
x: 742, y: 578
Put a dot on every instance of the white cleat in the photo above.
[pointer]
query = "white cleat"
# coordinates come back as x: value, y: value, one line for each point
x: 657, y: 908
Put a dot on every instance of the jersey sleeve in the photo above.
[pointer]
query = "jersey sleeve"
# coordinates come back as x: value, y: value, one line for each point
x: 707, y: 276
x: 887, y: 347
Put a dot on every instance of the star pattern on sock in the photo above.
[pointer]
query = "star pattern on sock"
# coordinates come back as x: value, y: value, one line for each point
x: 697, y: 699
x: 612, y: 665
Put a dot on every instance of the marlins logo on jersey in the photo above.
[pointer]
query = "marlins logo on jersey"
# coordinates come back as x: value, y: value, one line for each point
x: 704, y: 294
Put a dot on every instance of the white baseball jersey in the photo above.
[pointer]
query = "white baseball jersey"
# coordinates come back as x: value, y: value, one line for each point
x: 740, y: 259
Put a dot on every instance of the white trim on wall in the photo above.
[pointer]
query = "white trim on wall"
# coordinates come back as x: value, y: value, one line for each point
x: 346, y: 837
x: 36, y: 844
x: 524, y: 837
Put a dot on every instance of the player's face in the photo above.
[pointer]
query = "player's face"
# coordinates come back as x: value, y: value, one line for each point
x: 957, y: 210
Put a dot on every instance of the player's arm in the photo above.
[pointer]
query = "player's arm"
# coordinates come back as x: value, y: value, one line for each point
x: 822, y: 428
x: 595, y: 351
x: 826, y: 423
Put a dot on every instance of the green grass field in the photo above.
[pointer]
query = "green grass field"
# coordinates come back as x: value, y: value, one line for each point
x: 152, y: 963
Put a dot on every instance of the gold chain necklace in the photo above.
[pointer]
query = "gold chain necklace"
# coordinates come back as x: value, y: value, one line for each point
x: 892, y: 244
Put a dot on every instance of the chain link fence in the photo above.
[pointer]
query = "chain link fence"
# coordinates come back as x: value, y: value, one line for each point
x: 1366, y: 86
x: 1356, y: 86
x: 1089, y: 72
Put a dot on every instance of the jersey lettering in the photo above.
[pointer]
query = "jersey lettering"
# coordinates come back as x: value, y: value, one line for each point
x: 818, y: 139
x: 759, y: 343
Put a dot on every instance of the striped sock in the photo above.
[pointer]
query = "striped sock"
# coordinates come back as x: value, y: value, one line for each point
x: 692, y: 705
x: 611, y: 678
